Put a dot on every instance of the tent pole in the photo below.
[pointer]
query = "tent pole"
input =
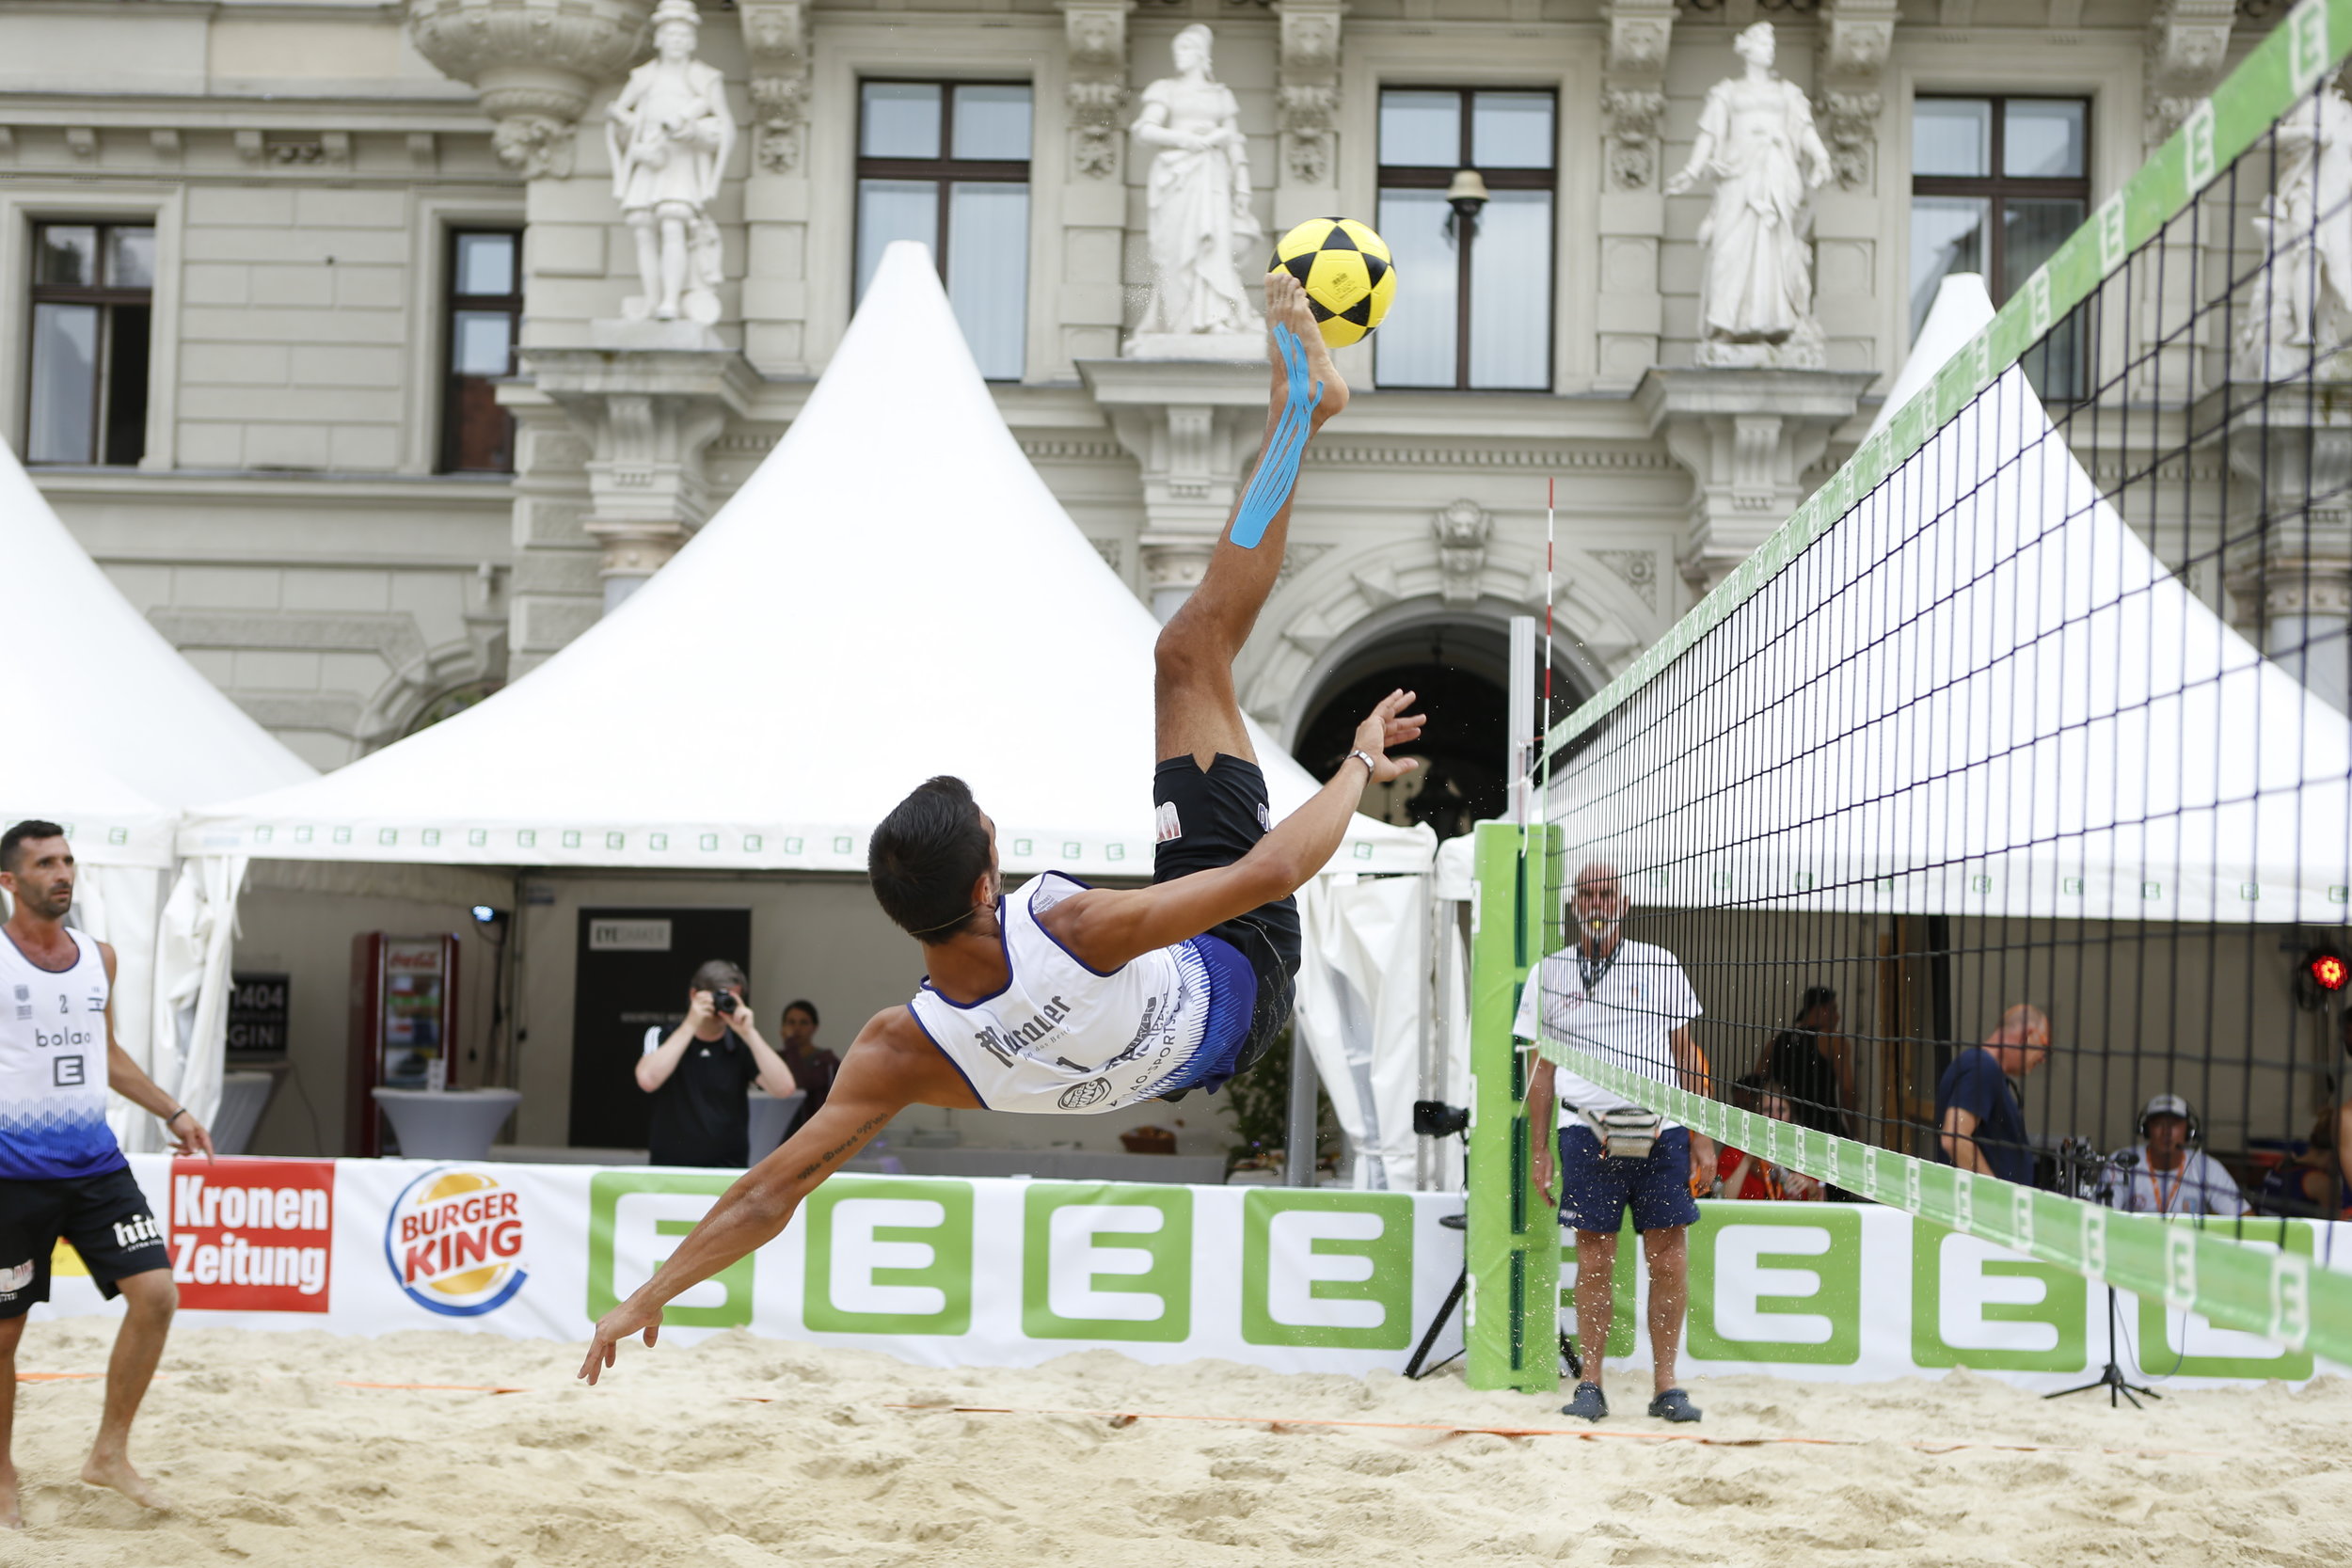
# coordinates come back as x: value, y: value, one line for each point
x: 1298, y: 1145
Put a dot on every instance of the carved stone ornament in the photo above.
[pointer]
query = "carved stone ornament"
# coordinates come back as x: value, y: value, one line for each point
x: 775, y: 36
x: 1856, y: 37
x: 532, y: 64
x: 1633, y: 100
x: 1849, y: 122
x: 1463, y: 529
x: 1307, y: 96
x: 1095, y: 33
x: 1633, y: 118
x: 2188, y: 43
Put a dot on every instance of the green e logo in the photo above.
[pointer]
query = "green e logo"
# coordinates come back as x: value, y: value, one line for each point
x: 888, y: 1255
x: 2170, y: 1340
x: 1331, y: 1270
x: 1976, y: 1304
x: 632, y: 1220
x: 1106, y: 1263
x: 1777, y: 1284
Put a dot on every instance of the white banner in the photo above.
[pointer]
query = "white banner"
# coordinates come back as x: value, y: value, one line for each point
x: 948, y: 1272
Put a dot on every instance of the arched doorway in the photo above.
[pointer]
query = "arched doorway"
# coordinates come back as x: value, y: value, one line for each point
x: 1461, y: 667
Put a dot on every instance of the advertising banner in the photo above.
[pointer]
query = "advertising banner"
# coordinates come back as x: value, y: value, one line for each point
x: 948, y: 1272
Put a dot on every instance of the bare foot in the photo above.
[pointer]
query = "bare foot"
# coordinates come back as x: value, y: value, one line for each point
x: 1286, y: 305
x: 115, y: 1470
x: 9, y: 1517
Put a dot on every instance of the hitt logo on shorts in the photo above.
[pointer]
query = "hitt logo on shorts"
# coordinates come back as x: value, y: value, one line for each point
x: 138, y: 1231
x: 1078, y: 1096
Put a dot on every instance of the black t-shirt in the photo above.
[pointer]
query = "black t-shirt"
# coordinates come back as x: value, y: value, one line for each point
x: 1808, y: 1079
x: 702, y: 1114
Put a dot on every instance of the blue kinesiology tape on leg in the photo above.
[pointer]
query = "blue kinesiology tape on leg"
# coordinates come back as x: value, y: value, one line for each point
x: 1277, y: 466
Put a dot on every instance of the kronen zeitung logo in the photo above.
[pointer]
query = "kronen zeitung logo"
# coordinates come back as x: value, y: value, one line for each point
x: 454, y: 1241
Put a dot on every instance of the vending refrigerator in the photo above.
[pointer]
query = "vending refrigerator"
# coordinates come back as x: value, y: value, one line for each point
x: 404, y: 1025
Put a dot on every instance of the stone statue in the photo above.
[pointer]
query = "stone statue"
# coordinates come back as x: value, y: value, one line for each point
x: 1198, y: 199
x: 669, y: 136
x: 1757, y: 140
x: 2300, y: 310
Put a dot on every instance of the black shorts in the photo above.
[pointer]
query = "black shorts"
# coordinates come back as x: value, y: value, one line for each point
x: 1212, y: 819
x: 106, y: 1218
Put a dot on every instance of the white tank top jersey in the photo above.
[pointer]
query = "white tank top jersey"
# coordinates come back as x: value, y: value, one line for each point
x: 53, y: 1066
x: 1062, y: 1039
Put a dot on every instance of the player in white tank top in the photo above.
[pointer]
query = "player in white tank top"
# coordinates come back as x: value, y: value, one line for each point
x: 1064, y: 999
x: 62, y: 1175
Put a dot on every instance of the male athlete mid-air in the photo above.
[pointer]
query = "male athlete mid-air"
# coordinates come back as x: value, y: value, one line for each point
x: 1065, y: 999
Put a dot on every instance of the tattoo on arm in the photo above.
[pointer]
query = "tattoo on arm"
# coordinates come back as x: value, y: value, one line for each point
x: 815, y: 1169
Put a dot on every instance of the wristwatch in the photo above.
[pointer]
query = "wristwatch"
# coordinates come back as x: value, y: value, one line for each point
x: 1372, y: 764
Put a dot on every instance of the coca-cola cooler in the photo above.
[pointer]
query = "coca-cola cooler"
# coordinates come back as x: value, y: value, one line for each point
x: 404, y: 1025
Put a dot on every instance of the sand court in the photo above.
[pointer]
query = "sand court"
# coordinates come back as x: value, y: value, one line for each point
x: 742, y: 1452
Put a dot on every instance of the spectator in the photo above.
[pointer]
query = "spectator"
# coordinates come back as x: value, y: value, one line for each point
x: 1626, y: 1003
x: 2317, y: 1181
x: 700, y: 1076
x: 813, y: 1066
x: 2169, y: 1178
x: 1813, y: 1064
x: 1750, y: 1177
x: 1977, y: 1114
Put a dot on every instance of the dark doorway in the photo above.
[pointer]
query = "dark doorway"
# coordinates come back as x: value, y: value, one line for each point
x: 633, y: 969
x: 1461, y: 671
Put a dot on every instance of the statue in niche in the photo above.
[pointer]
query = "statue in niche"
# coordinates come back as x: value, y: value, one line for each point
x: 1757, y: 142
x: 1198, y: 197
x: 670, y: 132
x: 2300, y: 311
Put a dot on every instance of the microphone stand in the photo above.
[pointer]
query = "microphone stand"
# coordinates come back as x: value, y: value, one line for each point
x: 2111, y: 1376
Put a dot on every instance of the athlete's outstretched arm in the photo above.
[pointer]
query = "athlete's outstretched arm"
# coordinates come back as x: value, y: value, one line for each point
x: 884, y: 1072
x: 1104, y: 928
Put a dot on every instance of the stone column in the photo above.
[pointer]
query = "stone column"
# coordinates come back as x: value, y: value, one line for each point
x: 1307, y: 106
x: 1747, y: 435
x: 649, y: 403
x: 533, y: 65
x: 1190, y: 424
x: 1855, y: 38
x: 777, y: 188
x: 1632, y: 213
x: 1094, y: 192
x: 2292, y: 578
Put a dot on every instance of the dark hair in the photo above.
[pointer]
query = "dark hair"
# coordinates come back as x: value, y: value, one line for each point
x: 718, y: 974
x: 925, y: 857
x: 1816, y: 996
x: 1749, y: 1093
x: 806, y: 1006
x: 13, y: 840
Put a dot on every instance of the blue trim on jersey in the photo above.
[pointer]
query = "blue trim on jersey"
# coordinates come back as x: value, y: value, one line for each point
x: 1002, y: 946
x: 1034, y: 920
x: 70, y: 931
x: 49, y: 1149
x: 951, y: 1060
x: 1232, y: 1007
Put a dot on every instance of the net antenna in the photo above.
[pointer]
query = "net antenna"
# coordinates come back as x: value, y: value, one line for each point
x: 2008, y: 785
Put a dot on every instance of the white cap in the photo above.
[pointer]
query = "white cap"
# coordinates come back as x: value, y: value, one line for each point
x: 2167, y: 1105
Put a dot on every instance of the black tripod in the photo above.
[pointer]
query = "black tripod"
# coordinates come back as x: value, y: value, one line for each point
x: 1434, y: 1119
x: 2111, y: 1376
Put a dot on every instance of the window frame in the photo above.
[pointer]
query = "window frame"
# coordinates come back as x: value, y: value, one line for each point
x: 1996, y: 188
x: 454, y: 235
x: 945, y: 173
x: 107, y: 299
x: 1388, y: 176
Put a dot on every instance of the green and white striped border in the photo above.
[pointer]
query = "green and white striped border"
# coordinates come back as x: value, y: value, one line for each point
x: 2280, y: 1295
x: 2314, y: 38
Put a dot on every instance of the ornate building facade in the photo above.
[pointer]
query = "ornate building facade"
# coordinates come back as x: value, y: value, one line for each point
x: 327, y: 334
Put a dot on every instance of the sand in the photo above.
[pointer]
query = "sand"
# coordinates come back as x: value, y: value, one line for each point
x: 273, y: 1461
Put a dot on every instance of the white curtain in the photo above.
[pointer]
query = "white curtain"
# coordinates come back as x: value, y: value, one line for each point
x: 190, y: 1002
x: 1360, y: 1008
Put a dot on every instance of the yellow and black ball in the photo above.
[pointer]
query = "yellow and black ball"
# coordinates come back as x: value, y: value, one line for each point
x: 1348, y: 275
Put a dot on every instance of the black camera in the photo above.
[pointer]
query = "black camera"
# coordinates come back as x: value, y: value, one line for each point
x: 724, y: 1000
x: 1435, y: 1119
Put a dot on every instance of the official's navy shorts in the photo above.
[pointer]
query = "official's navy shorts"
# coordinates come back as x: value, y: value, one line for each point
x: 1595, y: 1192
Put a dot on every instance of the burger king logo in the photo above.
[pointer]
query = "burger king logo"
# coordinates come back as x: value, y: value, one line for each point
x: 454, y: 1241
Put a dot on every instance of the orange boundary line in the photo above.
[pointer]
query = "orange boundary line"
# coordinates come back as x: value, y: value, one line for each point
x: 1128, y: 1417
x: 437, y: 1387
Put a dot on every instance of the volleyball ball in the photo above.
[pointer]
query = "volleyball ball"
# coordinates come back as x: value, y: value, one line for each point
x: 1348, y: 275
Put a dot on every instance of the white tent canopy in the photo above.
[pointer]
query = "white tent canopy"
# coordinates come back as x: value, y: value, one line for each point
x: 1979, y: 694
x: 894, y: 593
x: 114, y: 734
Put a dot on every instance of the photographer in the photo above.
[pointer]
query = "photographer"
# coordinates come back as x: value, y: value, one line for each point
x: 2164, y: 1175
x: 700, y: 1076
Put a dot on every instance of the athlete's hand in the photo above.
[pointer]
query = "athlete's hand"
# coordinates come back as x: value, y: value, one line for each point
x: 614, y: 1327
x: 189, y: 1137
x: 1387, y: 726
x: 1542, y: 1168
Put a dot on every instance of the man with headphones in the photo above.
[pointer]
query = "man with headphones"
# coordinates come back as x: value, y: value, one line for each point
x: 2170, y: 1177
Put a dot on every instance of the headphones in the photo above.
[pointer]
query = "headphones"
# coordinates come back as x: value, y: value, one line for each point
x: 2156, y: 1108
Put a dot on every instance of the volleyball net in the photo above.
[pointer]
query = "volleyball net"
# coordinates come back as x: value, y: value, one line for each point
x: 2028, y: 727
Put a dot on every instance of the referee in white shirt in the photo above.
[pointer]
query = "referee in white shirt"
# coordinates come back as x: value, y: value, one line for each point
x: 1629, y: 1003
x: 2171, y: 1177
